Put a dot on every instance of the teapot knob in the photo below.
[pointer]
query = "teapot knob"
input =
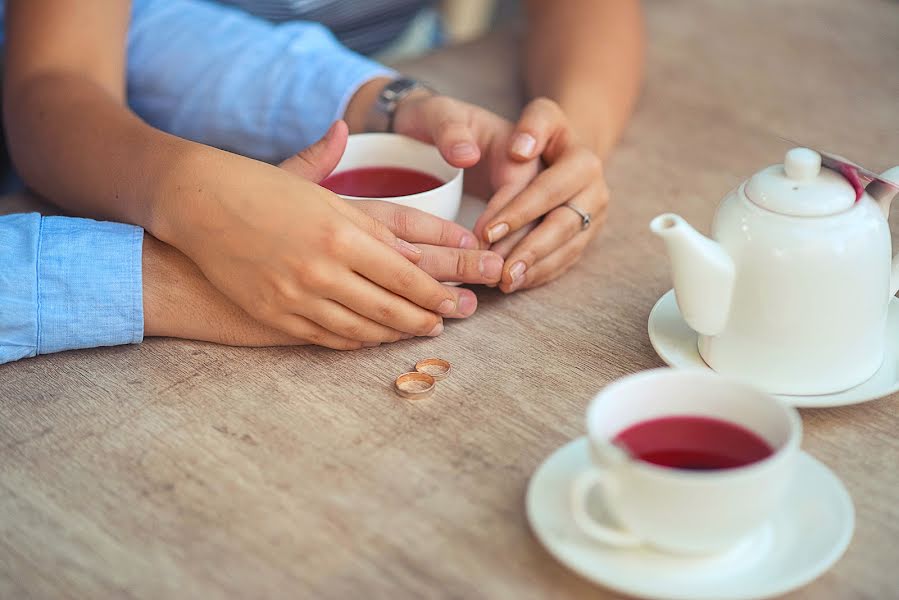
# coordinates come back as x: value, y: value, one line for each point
x: 802, y: 164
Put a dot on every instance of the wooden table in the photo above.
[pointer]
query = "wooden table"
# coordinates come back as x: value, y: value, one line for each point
x: 176, y: 469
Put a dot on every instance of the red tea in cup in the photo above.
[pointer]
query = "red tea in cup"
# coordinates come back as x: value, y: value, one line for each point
x: 380, y: 182
x: 693, y: 443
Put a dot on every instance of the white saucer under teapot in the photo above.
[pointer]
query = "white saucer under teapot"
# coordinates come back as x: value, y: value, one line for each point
x: 792, y: 293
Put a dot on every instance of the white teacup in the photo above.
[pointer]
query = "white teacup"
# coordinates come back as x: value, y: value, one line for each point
x: 678, y: 510
x: 394, y: 150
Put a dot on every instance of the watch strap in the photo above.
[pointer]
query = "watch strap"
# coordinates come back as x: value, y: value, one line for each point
x: 384, y: 110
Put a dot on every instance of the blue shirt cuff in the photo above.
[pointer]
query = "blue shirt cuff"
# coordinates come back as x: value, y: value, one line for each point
x: 68, y: 283
x: 89, y: 284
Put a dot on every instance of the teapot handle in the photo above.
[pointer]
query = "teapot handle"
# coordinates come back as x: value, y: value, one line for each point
x: 884, y: 193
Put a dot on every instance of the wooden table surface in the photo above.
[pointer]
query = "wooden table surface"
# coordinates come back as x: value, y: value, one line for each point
x: 176, y: 469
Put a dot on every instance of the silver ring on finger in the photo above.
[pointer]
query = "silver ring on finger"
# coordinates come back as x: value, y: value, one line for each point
x: 584, y: 215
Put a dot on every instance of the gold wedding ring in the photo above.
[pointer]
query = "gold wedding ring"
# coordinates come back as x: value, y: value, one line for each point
x: 415, y: 385
x: 435, y: 367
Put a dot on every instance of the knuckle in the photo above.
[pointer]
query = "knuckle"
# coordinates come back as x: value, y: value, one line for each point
x: 426, y: 324
x: 402, y: 221
x: 311, y: 276
x: 385, y: 313
x: 462, y: 265
x: 405, y: 278
x: 446, y: 232
x: 336, y: 240
x: 381, y: 230
x: 316, y: 337
x: 284, y: 294
x: 352, y: 331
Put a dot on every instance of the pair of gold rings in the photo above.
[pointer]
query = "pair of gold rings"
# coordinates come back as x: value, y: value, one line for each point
x: 420, y: 383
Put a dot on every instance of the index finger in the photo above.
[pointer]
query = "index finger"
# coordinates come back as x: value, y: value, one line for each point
x: 420, y: 227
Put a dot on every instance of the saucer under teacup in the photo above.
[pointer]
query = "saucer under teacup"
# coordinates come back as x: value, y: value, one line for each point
x: 800, y: 542
x: 676, y: 344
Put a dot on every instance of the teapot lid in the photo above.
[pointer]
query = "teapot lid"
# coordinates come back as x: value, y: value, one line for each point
x: 800, y: 187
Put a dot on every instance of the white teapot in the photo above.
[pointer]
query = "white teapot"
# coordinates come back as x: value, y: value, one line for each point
x: 792, y: 295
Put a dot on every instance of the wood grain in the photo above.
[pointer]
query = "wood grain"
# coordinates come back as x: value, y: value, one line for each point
x: 188, y: 470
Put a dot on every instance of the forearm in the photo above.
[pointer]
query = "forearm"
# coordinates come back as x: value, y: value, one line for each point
x: 70, y: 283
x: 75, y: 144
x: 587, y: 55
x: 216, y: 75
x: 178, y: 301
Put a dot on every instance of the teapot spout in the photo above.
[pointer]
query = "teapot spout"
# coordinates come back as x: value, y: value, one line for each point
x: 702, y: 271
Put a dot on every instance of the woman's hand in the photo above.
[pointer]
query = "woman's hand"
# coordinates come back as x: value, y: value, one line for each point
x: 573, y: 176
x: 525, y: 220
x: 448, y: 251
x: 289, y: 252
x: 180, y: 302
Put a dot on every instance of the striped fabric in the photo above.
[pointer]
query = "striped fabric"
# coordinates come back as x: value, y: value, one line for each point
x: 365, y: 26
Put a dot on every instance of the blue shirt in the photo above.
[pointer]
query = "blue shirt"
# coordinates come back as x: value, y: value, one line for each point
x: 199, y: 70
x: 68, y: 283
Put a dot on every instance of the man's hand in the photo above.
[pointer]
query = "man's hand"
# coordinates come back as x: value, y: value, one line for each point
x: 180, y: 302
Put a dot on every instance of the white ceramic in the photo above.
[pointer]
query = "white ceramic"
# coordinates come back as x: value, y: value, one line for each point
x: 801, y: 540
x: 676, y: 344
x: 792, y: 294
x: 394, y: 150
x: 658, y: 505
x: 470, y: 211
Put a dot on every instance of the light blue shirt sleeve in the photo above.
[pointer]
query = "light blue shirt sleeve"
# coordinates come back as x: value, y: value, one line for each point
x: 217, y: 75
x: 68, y: 283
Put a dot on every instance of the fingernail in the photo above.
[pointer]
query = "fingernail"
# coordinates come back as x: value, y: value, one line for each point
x: 408, y: 246
x: 517, y: 275
x: 491, y: 266
x: 467, y: 304
x: 468, y: 242
x: 447, y: 307
x: 523, y: 145
x: 463, y: 150
x: 497, y: 232
x: 438, y: 329
x: 517, y: 271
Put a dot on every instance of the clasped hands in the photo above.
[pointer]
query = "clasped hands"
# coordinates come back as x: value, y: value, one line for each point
x: 318, y: 269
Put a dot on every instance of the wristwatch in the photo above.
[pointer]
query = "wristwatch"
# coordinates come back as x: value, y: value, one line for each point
x: 384, y: 111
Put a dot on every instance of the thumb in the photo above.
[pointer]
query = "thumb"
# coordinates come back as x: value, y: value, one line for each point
x: 318, y: 160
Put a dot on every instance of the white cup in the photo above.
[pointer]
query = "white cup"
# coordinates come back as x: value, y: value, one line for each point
x: 394, y: 150
x: 677, y: 510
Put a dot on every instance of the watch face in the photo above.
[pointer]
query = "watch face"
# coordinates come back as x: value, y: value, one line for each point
x: 398, y: 88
